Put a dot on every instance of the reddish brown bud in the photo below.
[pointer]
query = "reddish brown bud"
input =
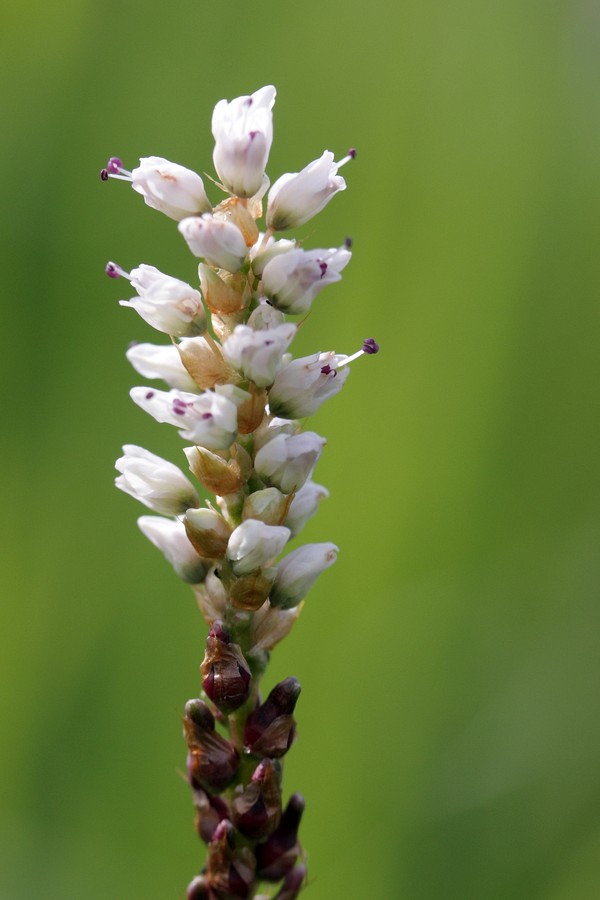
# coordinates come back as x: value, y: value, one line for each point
x: 292, y: 885
x: 198, y: 889
x: 225, y: 673
x: 230, y: 870
x: 250, y: 591
x: 271, y: 729
x: 257, y: 810
x: 212, y: 760
x: 210, y: 812
x: 277, y: 856
x: 252, y: 411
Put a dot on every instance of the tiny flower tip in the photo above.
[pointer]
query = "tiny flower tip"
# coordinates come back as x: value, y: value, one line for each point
x: 348, y: 243
x: 103, y: 174
x: 352, y: 152
x: 370, y: 346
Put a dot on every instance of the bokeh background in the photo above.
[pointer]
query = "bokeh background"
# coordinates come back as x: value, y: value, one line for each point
x: 449, y: 735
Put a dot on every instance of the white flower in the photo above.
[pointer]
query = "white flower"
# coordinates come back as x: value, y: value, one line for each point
x: 263, y: 252
x: 304, y: 506
x: 207, y: 419
x: 298, y: 571
x: 161, y: 361
x: 258, y: 355
x: 287, y: 461
x: 170, y: 538
x: 305, y: 383
x: 265, y: 316
x: 174, y: 190
x: 292, y: 280
x: 243, y: 133
x: 252, y: 544
x: 297, y: 197
x: 154, y: 481
x: 219, y: 242
x: 166, y: 303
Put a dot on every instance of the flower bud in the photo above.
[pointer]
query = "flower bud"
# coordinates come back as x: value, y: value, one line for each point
x: 277, y: 856
x: 257, y: 810
x: 155, y: 482
x: 204, y: 362
x: 172, y: 189
x: 304, y: 506
x: 253, y: 544
x: 305, y: 383
x: 249, y: 592
x: 268, y: 505
x: 298, y: 571
x: 287, y: 461
x: 270, y: 730
x: 166, y: 303
x: 265, y: 316
x: 292, y: 884
x: 225, y: 673
x: 210, y: 811
x: 230, y: 870
x: 243, y: 133
x: 292, y: 280
x: 212, y: 760
x: 259, y: 355
x: 221, y: 297
x: 297, y: 197
x: 170, y: 538
x: 198, y: 889
x: 264, y: 251
x: 218, y: 242
x: 271, y: 625
x: 156, y: 361
x: 219, y: 475
x: 208, y: 419
x: 208, y: 532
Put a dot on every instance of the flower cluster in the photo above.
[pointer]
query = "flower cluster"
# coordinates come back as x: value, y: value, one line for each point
x: 236, y: 395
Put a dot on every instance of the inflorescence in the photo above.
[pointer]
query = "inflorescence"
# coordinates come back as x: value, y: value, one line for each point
x: 236, y: 395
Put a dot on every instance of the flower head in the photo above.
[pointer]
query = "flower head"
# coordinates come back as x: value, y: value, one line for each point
x: 166, y: 186
x: 297, y: 197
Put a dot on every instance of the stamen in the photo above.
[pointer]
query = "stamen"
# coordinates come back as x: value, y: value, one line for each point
x: 115, y: 271
x: 369, y: 348
x: 350, y: 155
x: 327, y: 370
x: 114, y: 169
x: 323, y: 268
x: 149, y: 395
x: 114, y: 165
x: 348, y: 243
x: 179, y: 406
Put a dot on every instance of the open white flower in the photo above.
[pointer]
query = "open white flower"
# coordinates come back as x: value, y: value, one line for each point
x: 172, y: 189
x: 166, y: 303
x: 170, y: 538
x: 259, y: 355
x: 208, y: 419
x: 243, y: 133
x: 219, y: 242
x: 161, y: 361
x: 154, y: 481
x: 305, y: 383
x: 298, y: 196
x: 287, y: 461
x: 292, y: 280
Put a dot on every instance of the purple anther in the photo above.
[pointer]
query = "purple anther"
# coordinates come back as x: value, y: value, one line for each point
x: 323, y: 268
x: 252, y: 135
x: 370, y: 345
x: 268, y: 343
x: 206, y: 415
x: 112, y: 270
x: 327, y: 370
x: 149, y: 395
x: 179, y: 406
x: 114, y: 165
x: 348, y: 243
x: 352, y: 152
x: 103, y: 174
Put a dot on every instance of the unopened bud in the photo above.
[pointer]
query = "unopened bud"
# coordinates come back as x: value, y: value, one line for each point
x: 277, y: 856
x: 257, y: 810
x: 270, y: 729
x: 220, y: 297
x: 269, y: 506
x: 225, y: 673
x: 208, y: 532
x: 198, y: 889
x: 253, y: 545
x: 210, y: 811
x: 223, y: 473
x: 212, y: 760
x: 230, y: 870
x: 204, y: 362
x: 292, y: 885
x: 297, y: 573
x: 249, y: 592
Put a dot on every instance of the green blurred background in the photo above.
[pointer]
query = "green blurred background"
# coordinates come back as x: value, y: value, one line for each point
x: 449, y: 735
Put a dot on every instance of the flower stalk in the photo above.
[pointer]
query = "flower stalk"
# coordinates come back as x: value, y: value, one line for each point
x: 236, y: 395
